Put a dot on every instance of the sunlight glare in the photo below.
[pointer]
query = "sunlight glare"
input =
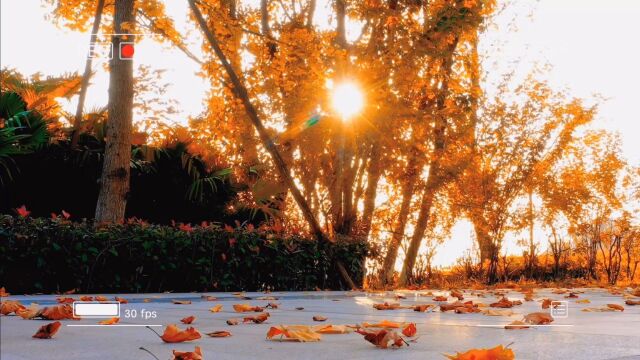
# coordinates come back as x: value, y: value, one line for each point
x: 347, y: 100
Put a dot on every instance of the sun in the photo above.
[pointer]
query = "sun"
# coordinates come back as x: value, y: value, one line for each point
x: 347, y: 100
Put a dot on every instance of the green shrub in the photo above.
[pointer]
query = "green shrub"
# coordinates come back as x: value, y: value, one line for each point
x: 50, y: 255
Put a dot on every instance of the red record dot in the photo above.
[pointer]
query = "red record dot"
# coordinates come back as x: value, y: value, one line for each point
x: 126, y: 51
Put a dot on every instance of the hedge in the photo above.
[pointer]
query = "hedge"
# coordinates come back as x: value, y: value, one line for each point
x: 54, y: 255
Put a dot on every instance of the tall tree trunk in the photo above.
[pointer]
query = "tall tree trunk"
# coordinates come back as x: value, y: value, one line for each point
x: 418, y: 233
x: 114, y: 182
x: 241, y: 93
x: 77, y: 122
x: 373, y: 177
x: 411, y: 176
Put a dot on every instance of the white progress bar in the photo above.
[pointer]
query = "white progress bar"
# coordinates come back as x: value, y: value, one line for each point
x: 96, y: 309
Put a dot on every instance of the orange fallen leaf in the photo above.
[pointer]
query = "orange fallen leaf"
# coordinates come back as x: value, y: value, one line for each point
x: 111, y: 321
x: 10, y: 306
x: 257, y: 319
x: 121, y: 300
x: 208, y: 298
x: 29, y: 313
x: 181, y: 302
x: 457, y: 294
x: 272, y: 305
x: 101, y: 298
x: 188, y: 355
x: 319, y: 318
x: 503, y: 303
x: 382, y: 324
x: 571, y: 295
x: 216, y: 308
x: 632, y: 302
x: 386, y: 306
x: 3, y: 292
x: 246, y: 308
x: 47, y: 331
x: 218, y: 334
x: 332, y: 329
x: 546, y: 303
x: 516, y: 325
x: 583, y: 301
x: 383, y: 338
x: 538, y: 318
x: 615, y: 307
x: 423, y: 307
x: 409, y: 330
x: 188, y: 320
x: 497, y: 353
x: 86, y: 298
x: 172, y: 334
x: 440, y: 298
x: 300, y: 333
x: 58, y: 312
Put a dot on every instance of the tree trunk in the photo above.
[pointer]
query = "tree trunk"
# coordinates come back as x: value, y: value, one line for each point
x: 241, y: 93
x: 416, y: 238
x: 386, y: 276
x: 114, y: 182
x: 77, y: 123
x: 373, y: 177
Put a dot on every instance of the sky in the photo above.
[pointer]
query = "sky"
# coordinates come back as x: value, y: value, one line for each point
x: 591, y: 45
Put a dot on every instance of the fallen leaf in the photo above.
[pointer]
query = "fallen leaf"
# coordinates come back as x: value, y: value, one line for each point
x: 616, y: 307
x: 188, y: 320
x: 383, y: 338
x: 187, y: 355
x: 632, y: 302
x: 208, y: 298
x: 257, y: 319
x: 233, y: 322
x: 146, y: 300
x: 503, y: 303
x: 440, y: 298
x: 58, y: 312
x: 172, y: 334
x: 583, y: 301
x: 181, y: 302
x: 409, y: 330
x: 101, y: 298
x: 319, y: 318
x: 47, y: 331
x: 246, y: 308
x: 571, y: 295
x: 386, y: 306
x: 267, y: 298
x: 86, y: 298
x: 3, y: 292
x: 219, y: 334
x: 332, y: 329
x: 516, y: 325
x: 598, y: 309
x: 113, y: 320
x: 382, y: 324
x: 299, y: 308
x: 423, y: 307
x: 546, y: 303
x: 497, y: 353
x: 457, y: 294
x: 300, y: 333
x: 121, y: 300
x: 493, y: 312
x: 538, y: 318
x: 272, y: 305
x: 216, y: 308
x: 10, y: 306
x: 29, y: 313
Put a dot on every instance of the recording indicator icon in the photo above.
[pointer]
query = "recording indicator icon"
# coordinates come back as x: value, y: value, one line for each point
x: 126, y: 50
